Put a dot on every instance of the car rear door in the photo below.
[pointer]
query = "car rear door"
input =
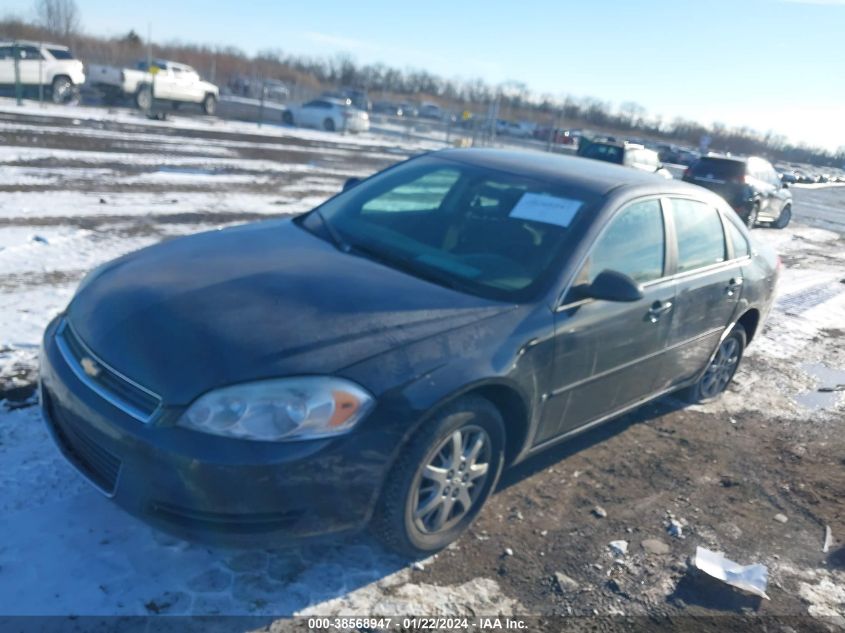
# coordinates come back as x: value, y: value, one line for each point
x: 708, y: 287
x: 607, y: 354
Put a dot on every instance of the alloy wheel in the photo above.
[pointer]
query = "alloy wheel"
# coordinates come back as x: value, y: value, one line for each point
x: 451, y: 481
x: 721, y: 369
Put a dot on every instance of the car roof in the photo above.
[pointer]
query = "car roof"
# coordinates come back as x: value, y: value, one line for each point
x: 33, y: 43
x: 595, y: 176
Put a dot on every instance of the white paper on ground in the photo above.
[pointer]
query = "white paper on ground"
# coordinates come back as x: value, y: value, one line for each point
x: 750, y: 578
x: 540, y: 207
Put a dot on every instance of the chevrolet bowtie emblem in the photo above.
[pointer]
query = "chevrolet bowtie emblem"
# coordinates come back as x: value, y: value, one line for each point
x: 91, y: 368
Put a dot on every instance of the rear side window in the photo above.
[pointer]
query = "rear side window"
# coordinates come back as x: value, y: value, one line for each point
x: 738, y: 241
x: 60, y: 53
x: 701, y: 240
x: 633, y: 244
x: 718, y: 169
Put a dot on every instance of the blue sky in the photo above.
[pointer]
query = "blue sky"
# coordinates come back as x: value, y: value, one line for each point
x: 769, y: 64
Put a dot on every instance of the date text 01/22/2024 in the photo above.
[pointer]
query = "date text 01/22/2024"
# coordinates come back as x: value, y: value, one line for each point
x: 416, y: 623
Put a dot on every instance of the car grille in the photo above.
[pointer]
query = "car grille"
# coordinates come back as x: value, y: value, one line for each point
x: 111, y: 385
x: 80, y: 447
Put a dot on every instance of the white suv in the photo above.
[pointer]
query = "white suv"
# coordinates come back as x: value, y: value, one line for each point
x: 40, y: 64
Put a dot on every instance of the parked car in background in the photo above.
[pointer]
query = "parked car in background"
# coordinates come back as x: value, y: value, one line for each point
x: 388, y: 108
x: 160, y: 81
x: 50, y: 66
x: 624, y: 153
x: 380, y: 360
x: 430, y: 111
x: 328, y: 114
x: 750, y: 185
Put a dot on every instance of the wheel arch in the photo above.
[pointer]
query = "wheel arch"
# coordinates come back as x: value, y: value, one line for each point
x: 749, y: 321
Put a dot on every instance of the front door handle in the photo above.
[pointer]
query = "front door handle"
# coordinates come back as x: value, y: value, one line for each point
x: 657, y: 309
x: 733, y: 286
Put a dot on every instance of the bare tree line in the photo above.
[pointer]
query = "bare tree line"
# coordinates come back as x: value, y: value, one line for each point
x: 61, y: 18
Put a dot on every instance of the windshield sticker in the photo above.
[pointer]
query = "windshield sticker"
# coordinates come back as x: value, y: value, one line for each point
x: 539, y: 207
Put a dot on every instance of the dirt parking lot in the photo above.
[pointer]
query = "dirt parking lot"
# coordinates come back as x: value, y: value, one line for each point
x: 759, y: 474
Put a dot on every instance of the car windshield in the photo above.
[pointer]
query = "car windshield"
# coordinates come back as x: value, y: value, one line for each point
x: 485, y: 232
x: 609, y: 153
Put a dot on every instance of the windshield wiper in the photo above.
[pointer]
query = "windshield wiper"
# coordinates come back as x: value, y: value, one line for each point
x: 337, y: 239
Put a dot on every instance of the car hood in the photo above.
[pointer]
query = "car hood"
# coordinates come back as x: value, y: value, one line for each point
x: 258, y: 301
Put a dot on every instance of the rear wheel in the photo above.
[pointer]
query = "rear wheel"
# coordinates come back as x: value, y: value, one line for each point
x: 441, y: 479
x: 209, y: 105
x: 784, y: 218
x: 328, y: 125
x: 751, y: 219
x: 287, y: 117
x: 144, y: 98
x: 721, y: 369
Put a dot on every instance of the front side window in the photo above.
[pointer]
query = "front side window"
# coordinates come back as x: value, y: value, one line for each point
x: 701, y: 240
x: 633, y: 244
x: 486, y: 232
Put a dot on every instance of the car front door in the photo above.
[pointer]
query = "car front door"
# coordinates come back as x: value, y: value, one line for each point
x: 607, y: 354
x: 708, y: 287
x: 7, y: 65
x: 31, y: 65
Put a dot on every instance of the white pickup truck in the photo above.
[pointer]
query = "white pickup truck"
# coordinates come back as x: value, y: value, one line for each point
x: 161, y: 80
x: 40, y: 64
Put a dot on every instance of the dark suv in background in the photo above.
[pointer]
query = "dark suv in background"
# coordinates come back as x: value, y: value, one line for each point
x: 750, y: 185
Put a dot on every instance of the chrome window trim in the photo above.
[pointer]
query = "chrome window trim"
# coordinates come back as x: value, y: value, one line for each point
x: 106, y: 395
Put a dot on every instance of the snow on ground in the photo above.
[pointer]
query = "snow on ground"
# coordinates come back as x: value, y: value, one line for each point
x: 66, y: 549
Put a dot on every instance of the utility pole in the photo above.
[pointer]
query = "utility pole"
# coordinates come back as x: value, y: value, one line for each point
x: 16, y: 52
x: 41, y: 75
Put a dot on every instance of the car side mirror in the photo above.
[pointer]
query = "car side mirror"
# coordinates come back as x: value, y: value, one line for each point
x: 611, y: 285
x: 350, y: 182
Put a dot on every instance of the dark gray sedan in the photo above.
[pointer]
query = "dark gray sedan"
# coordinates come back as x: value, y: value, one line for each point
x: 379, y: 360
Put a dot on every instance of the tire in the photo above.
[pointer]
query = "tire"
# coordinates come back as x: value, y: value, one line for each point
x: 175, y: 105
x: 751, y: 218
x: 417, y: 514
x: 61, y: 90
x: 287, y: 117
x: 720, y: 369
x: 328, y: 125
x: 209, y: 105
x: 784, y: 217
x: 144, y: 98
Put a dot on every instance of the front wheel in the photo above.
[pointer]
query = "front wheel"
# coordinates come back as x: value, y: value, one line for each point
x: 328, y: 125
x: 784, y: 218
x: 721, y: 369
x: 441, y: 479
x: 209, y: 105
x: 62, y: 90
x: 287, y: 117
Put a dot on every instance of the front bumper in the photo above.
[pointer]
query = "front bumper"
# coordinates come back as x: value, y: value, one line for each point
x: 206, y: 488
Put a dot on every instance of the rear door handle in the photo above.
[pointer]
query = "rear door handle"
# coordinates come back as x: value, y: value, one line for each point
x: 733, y: 286
x: 657, y: 309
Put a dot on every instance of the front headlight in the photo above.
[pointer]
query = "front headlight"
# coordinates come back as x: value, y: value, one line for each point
x: 285, y: 409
